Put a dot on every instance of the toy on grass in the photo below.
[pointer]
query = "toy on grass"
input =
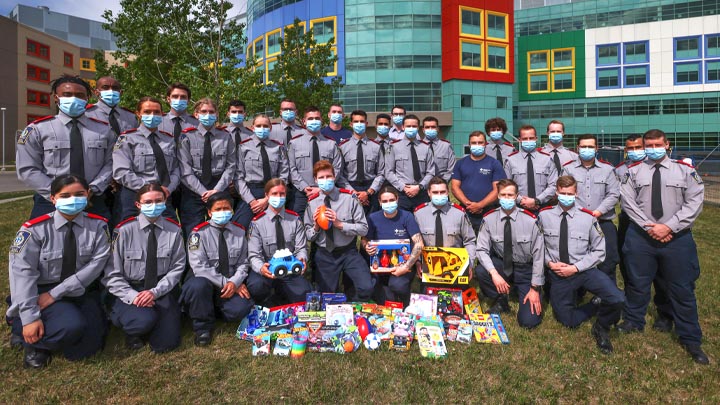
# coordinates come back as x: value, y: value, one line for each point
x: 372, y: 342
x: 363, y: 327
x: 322, y: 220
x: 283, y: 264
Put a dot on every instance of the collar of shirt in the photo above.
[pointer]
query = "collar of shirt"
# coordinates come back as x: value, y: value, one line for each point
x: 204, y: 131
x: 526, y: 154
x: 271, y: 214
x: 145, y: 131
x: 65, y: 119
x: 144, y: 222
x: 286, y: 125
x: 334, y: 194
x: 571, y: 212
x: 363, y: 139
x: 183, y: 116
x: 513, y: 214
x: 664, y: 163
x: 104, y: 107
x: 579, y: 163
x: 415, y: 141
x: 550, y: 147
x: 59, y: 221
x: 256, y: 142
x: 444, y: 209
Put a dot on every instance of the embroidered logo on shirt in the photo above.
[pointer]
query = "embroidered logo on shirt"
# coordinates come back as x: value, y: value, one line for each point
x: 194, y: 241
x: 24, y: 135
x: 20, y: 241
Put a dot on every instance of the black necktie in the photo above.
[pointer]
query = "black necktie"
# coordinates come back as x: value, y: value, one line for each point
x: 69, y: 257
x: 530, y: 176
x: 382, y: 148
x: 316, y: 150
x: 564, y: 255
x: 432, y: 146
x: 77, y: 161
x: 288, y: 136
x: 207, y: 160
x: 498, y: 153
x: 439, y: 235
x: 556, y: 160
x: 236, y: 133
x: 507, y: 247
x: 360, y: 162
x: 656, y: 197
x: 267, y: 172
x: 415, y: 163
x: 114, y: 122
x: 151, y: 269
x: 177, y: 130
x: 329, y: 242
x: 223, y: 260
x: 160, y: 164
x: 279, y: 233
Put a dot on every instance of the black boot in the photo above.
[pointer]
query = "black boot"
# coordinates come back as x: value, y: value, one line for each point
x: 501, y: 305
x: 36, y: 358
x: 697, y: 354
x: 602, y: 338
x: 203, y: 338
x: 133, y: 342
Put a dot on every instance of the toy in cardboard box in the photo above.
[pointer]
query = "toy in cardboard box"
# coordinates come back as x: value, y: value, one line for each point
x: 257, y: 318
x: 488, y: 328
x: 402, y: 333
x: 471, y: 301
x: 283, y: 344
x: 422, y: 305
x: 450, y: 300
x: 285, y: 314
x: 390, y: 254
x: 429, y: 334
x: 339, y: 315
x: 444, y: 265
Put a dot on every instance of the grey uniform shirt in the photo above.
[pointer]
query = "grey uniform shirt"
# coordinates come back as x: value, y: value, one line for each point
x: 396, y: 134
x: 43, y: 152
x: 348, y: 211
x: 564, y: 153
x: 300, y: 156
x: 239, y: 133
x: 36, y: 259
x: 126, y: 119
x: 203, y: 253
x: 186, y: 121
x: 134, y: 161
x: 621, y: 169
x: 597, y: 187
x: 190, y: 155
x: 458, y: 231
x: 444, y: 157
x: 250, y: 165
x: 373, y: 161
x: 262, y: 240
x: 399, y: 171
x: 682, y: 193
x: 528, y: 243
x: 545, y: 173
x: 586, y: 242
x: 129, y: 257
x: 506, y: 149
x: 278, y: 132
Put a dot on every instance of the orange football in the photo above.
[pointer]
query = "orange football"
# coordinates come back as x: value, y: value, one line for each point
x: 322, y: 220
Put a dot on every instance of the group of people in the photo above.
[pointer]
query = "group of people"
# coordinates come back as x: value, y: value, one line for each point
x: 538, y: 221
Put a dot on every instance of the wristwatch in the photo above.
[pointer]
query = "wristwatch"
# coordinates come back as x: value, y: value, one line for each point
x: 537, y: 202
x: 536, y: 287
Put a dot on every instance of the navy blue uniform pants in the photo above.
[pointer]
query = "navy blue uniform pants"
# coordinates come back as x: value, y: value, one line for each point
x: 677, y: 262
x: 409, y: 204
x: 96, y: 205
x: 192, y: 208
x: 612, y: 258
x: 393, y: 288
x: 127, y: 205
x: 243, y: 214
x: 299, y: 202
x: 330, y: 265
x: 521, y: 278
x: 201, y: 298
x: 563, y: 291
x: 292, y: 288
x: 373, y: 204
x: 74, y: 326
x: 160, y: 324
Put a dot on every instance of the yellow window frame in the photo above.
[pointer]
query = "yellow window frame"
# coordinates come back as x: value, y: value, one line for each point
x: 547, y: 58
x: 335, y: 68
x: 267, y: 42
x: 268, y: 61
x: 483, y: 50
x: 322, y: 20
x: 552, y: 56
x: 487, y: 56
x: 92, y: 64
x: 488, y: 13
x: 482, y: 21
x: 302, y: 24
x: 254, y: 43
x: 565, y: 71
x: 547, y: 79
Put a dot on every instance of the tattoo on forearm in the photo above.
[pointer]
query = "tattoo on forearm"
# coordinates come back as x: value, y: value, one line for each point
x: 417, y: 248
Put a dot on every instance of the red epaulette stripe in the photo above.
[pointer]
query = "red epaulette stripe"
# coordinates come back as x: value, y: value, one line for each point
x: 684, y: 163
x: 444, y: 140
x: 395, y: 141
x: 167, y: 133
x: 247, y: 140
x: 509, y: 144
x: 292, y: 212
x: 346, y: 191
x: 258, y: 216
x: 547, y: 208
x: 567, y: 163
x: 604, y: 161
x: 97, y: 120
x: 296, y: 136
x: 587, y: 211
x: 200, y: 226
x: 529, y: 213
x: 621, y: 163
x: 188, y: 129
x: 543, y: 152
x: 490, y: 212
x: 344, y: 142
x: 125, y: 221
x: 277, y: 142
x: 45, y: 118
x: 89, y: 106
x: 37, y: 220
x: 129, y: 131
x: 238, y: 225
x: 173, y: 221
x: 459, y: 207
x: 314, y: 196
x: 635, y: 164
x: 95, y: 216
x: 369, y: 139
x: 514, y: 153
x: 423, y: 205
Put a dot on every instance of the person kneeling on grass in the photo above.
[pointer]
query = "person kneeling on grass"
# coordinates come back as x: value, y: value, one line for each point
x: 147, y: 263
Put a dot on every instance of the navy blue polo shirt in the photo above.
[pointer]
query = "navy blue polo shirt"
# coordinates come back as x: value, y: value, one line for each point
x: 339, y: 135
x: 477, y: 176
x: 401, y: 226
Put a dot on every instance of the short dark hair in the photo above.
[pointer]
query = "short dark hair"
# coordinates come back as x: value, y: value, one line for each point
x: 63, y: 180
x: 236, y: 103
x: 388, y: 189
x: 288, y: 100
x: 411, y: 117
x: 556, y: 122
x: 146, y: 99
x: 274, y: 182
x: 383, y: 115
x: 399, y: 107
x: 507, y: 183
x: 527, y: 128
x: 337, y: 104
x: 358, y: 112
x: 654, y: 134
x: 496, y: 122
x: 436, y: 180
x: 477, y: 133
x: 148, y: 187
x: 430, y: 118
x: 587, y: 136
x: 566, y: 181
x: 633, y: 137
x: 178, y: 85
x: 310, y: 108
x: 69, y: 79
x: 220, y: 196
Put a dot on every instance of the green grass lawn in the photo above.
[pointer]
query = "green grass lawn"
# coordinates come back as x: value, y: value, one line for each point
x: 549, y: 364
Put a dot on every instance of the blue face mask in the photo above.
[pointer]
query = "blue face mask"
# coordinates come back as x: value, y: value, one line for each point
x: 389, y: 207
x: 655, y: 153
x: 178, y: 105
x: 555, y: 137
x: 587, y: 153
x: 477, y: 150
x: 72, y: 106
x: 566, y: 200
x: 383, y: 130
x: 110, y: 97
x: 636, y: 155
x: 276, y: 202
x: 71, y: 205
x: 336, y: 118
x: 439, y: 200
x: 496, y: 135
x: 528, y: 146
x: 262, y: 133
x: 398, y: 119
x: 237, y: 118
x: 411, y: 133
x: 359, y: 128
x: 288, y: 115
x: 313, y: 125
x: 326, y: 185
x: 221, y: 217
x: 507, y: 203
x: 431, y: 134
x: 152, y: 210
x: 207, y: 120
x: 151, y: 121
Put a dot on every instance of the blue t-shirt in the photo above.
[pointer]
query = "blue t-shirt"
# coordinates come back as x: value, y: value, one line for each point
x: 477, y: 176
x: 339, y: 135
x: 401, y: 226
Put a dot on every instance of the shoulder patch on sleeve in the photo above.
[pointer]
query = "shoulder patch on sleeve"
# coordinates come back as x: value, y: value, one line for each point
x: 119, y: 141
x: 490, y: 212
x: 292, y: 212
x: 127, y: 220
x: 421, y: 206
x: 21, y: 239
x: 99, y: 121
x: 625, y: 178
x: 696, y: 177
x: 194, y: 241
x: 37, y: 220
x: 530, y: 214
x: 22, y: 139
x: 259, y: 215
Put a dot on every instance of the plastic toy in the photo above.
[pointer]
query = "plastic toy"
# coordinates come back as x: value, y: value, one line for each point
x: 322, y: 220
x: 299, y: 344
x: 372, y: 342
x: 390, y: 254
x: 442, y: 265
x: 283, y: 264
x: 363, y: 327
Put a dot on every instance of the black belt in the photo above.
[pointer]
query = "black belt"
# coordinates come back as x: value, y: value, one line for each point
x: 361, y: 183
x: 213, y: 179
x: 602, y: 221
x: 338, y: 251
x: 256, y: 184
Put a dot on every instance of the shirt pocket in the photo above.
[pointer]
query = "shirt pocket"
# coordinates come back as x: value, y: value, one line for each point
x: 54, y: 153
x: 578, y: 242
x: 370, y: 166
x: 85, y: 255
x: 302, y: 159
x: 677, y: 187
x: 163, y: 256
x: 133, y: 265
x: 50, y: 266
x: 219, y: 160
x: 96, y: 151
x: 196, y: 154
x: 441, y: 161
x: 523, y: 247
x: 269, y: 245
x: 402, y: 164
x: 144, y: 159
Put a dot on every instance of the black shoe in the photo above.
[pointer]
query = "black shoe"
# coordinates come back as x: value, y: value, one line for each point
x: 133, y: 342
x: 627, y: 327
x: 602, y: 338
x: 203, y: 338
x: 663, y: 324
x: 500, y: 306
x: 16, y: 342
x: 697, y: 354
x: 596, y: 301
x: 36, y: 358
